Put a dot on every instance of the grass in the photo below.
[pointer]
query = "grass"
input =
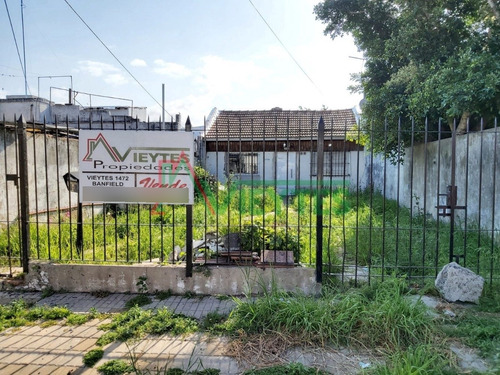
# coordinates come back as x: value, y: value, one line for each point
x: 361, y: 228
x: 289, y: 369
x: 480, y: 331
x: 136, y: 323
x: 18, y: 313
x: 164, y: 294
x: 375, y: 316
x: 115, y: 367
x: 139, y: 300
x: 417, y: 360
x: 92, y: 357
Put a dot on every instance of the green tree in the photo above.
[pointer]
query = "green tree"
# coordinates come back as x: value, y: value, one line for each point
x: 435, y: 59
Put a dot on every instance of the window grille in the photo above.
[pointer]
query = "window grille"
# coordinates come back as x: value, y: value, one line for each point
x: 244, y: 163
x: 333, y: 164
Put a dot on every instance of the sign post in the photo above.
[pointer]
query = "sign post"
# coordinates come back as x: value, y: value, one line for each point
x: 136, y: 167
x: 139, y: 167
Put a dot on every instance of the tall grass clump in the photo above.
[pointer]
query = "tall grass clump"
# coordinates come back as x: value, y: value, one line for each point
x: 417, y: 360
x: 378, y: 315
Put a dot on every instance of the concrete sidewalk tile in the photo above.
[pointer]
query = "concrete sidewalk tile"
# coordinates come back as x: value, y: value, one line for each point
x: 31, y: 342
x: 44, y: 359
x: 4, y: 356
x: 29, y: 331
x: 11, y: 369
x: 28, y: 357
x: 48, y: 330
x: 53, y: 370
x: 15, y: 356
x: 161, y: 346
x: 118, y: 348
x: 214, y: 348
x: 144, y: 345
x: 85, y: 344
x: 48, y: 342
x: 65, y: 370
x: 85, y: 371
x: 28, y: 369
x: 63, y: 357
x: 93, y: 332
x: 72, y: 342
x: 10, y: 340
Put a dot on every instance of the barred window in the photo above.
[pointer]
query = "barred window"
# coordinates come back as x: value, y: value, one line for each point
x: 244, y: 163
x: 333, y: 164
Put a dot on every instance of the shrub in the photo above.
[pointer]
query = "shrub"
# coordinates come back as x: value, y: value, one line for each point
x: 92, y: 357
x: 115, y: 367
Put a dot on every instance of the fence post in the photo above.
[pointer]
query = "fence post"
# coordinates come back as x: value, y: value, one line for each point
x: 189, y: 226
x: 453, y: 191
x: 24, y: 192
x: 319, y: 201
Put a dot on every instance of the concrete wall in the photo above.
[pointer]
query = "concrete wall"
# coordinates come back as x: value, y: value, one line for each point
x: 31, y: 107
x: 47, y: 183
x: 297, y: 164
x: 122, y: 279
x: 477, y: 177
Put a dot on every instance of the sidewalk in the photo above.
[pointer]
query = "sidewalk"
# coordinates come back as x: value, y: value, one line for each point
x: 60, y: 349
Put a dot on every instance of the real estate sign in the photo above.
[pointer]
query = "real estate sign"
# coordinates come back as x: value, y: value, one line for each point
x: 119, y: 166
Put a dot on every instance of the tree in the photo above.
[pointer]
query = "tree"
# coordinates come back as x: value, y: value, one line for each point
x: 435, y: 59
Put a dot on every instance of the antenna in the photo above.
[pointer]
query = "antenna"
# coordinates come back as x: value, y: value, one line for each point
x: 24, y: 50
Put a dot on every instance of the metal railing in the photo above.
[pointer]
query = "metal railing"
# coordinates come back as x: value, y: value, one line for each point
x: 372, y: 218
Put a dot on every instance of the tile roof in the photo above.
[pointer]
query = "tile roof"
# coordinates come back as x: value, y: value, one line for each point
x: 278, y: 123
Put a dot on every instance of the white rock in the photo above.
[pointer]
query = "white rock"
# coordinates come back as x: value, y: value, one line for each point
x: 456, y: 283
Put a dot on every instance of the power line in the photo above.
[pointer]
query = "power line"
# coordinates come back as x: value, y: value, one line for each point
x: 116, y: 58
x: 15, y: 41
x: 284, y: 47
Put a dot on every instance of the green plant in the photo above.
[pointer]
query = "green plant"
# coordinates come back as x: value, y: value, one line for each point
x: 77, y: 319
x: 481, y: 331
x: 139, y: 300
x: 142, y: 285
x: 289, y: 369
x: 189, y: 294
x: 115, y: 367
x: 137, y: 322
x: 212, y: 322
x: 419, y: 360
x: 381, y: 317
x: 100, y: 293
x: 164, y: 294
x: 47, y: 291
x: 92, y: 357
x: 203, y: 269
x: 490, y: 300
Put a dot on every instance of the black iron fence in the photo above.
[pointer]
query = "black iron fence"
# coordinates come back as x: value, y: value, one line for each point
x: 318, y: 196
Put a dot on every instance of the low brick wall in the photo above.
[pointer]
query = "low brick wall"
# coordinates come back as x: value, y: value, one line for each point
x: 227, y: 280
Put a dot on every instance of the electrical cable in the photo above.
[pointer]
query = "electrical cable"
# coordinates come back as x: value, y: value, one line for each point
x: 286, y: 49
x: 15, y: 41
x: 116, y: 58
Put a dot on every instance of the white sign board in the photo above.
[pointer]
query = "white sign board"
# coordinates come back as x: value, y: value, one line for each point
x: 119, y: 166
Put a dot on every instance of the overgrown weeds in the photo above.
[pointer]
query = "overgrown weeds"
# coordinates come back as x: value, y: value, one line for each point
x: 417, y: 360
x: 377, y: 316
x: 139, y: 300
x: 289, y: 369
x: 18, y: 313
x: 136, y: 322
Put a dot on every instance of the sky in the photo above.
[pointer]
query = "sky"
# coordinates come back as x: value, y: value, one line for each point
x: 208, y: 53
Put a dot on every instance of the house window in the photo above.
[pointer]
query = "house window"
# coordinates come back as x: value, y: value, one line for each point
x: 243, y: 163
x: 334, y: 163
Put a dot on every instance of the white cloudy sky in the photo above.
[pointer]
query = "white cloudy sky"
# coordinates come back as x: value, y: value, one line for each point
x: 208, y: 53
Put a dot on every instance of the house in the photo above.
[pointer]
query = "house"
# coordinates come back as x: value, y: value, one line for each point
x: 279, y: 148
x: 40, y: 110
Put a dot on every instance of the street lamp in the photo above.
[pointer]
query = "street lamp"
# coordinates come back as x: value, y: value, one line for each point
x: 73, y: 184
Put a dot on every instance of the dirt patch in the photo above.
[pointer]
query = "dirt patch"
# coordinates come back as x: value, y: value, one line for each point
x: 260, y: 351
